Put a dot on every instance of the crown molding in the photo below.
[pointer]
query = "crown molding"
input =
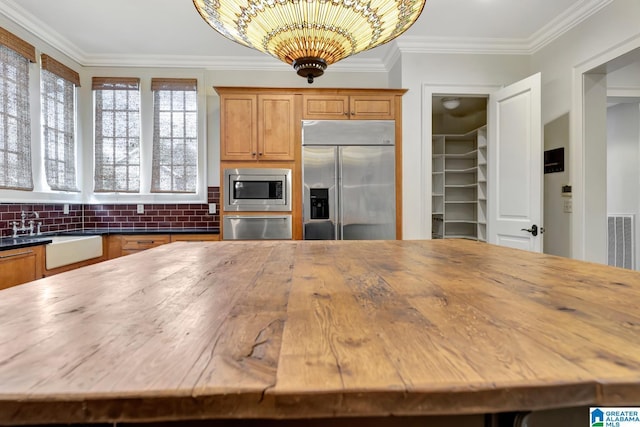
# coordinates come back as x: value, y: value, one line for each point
x: 392, y: 56
x: 469, y: 45
x: 262, y: 62
x: 466, y: 45
x: 564, y: 22
x: 259, y: 62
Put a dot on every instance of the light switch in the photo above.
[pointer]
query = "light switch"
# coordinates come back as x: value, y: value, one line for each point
x: 140, y: 209
x: 65, y: 209
x: 568, y: 206
x: 212, y: 208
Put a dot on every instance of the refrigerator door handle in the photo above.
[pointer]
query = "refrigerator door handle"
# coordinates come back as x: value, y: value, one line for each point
x: 340, y: 209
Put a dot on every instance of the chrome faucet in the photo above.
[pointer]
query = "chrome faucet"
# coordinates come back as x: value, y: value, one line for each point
x: 25, y: 226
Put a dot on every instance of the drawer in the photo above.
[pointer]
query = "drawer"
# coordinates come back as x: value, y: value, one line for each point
x: 245, y: 227
x: 194, y: 237
x: 143, y: 241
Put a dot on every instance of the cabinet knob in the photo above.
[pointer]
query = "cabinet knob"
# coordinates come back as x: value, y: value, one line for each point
x: 253, y: 154
x: 259, y: 154
x: 346, y: 113
x: 353, y: 113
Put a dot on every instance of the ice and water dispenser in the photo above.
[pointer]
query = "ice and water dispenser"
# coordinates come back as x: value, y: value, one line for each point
x: 319, y: 203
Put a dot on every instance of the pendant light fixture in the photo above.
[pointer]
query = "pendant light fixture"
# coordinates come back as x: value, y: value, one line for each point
x: 310, y: 34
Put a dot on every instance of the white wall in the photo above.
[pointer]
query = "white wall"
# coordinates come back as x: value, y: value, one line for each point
x: 557, y: 223
x: 623, y: 151
x: 626, y: 79
x: 606, y: 33
x: 418, y: 71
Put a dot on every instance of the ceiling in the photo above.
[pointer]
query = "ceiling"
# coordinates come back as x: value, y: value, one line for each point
x: 171, y: 32
x: 468, y: 105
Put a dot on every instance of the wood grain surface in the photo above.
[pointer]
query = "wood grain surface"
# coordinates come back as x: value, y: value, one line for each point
x: 195, y: 330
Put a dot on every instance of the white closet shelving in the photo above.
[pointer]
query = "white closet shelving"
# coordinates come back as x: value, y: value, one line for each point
x: 437, y: 190
x: 482, y: 183
x: 460, y: 186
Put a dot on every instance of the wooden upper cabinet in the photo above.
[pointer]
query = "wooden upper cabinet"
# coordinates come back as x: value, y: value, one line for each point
x: 238, y: 127
x: 325, y: 107
x: 257, y: 127
x: 364, y: 107
x: 276, y: 127
x: 344, y: 107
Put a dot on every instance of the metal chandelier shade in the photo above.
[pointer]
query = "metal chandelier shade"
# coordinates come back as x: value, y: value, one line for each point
x: 310, y: 34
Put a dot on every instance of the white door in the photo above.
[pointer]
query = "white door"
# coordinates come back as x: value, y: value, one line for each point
x: 515, y: 166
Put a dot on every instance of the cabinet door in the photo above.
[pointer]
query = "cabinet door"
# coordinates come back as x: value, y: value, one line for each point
x: 363, y: 107
x: 325, y: 107
x: 20, y: 266
x: 238, y: 127
x: 276, y: 127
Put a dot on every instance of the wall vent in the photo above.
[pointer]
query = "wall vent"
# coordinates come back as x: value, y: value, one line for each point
x: 621, y: 237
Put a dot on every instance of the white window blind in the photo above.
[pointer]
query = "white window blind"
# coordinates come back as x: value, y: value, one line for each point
x: 117, y: 134
x: 15, y: 120
x: 58, y: 124
x: 175, y: 136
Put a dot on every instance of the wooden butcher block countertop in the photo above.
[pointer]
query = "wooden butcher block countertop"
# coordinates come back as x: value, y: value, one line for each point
x: 318, y: 329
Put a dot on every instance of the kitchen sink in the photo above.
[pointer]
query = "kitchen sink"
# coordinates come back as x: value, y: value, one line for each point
x: 65, y: 250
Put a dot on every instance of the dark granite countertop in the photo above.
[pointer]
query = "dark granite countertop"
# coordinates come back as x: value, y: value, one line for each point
x: 108, y: 231
x: 26, y: 241
x: 23, y: 242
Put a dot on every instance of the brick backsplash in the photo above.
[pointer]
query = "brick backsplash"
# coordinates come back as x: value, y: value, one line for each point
x: 51, y: 216
x: 113, y: 216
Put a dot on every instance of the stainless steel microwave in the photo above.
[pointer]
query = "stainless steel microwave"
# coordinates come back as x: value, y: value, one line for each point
x: 257, y: 189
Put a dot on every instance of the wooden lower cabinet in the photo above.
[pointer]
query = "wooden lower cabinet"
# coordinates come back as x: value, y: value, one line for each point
x: 21, y: 265
x: 24, y: 265
x: 127, y: 244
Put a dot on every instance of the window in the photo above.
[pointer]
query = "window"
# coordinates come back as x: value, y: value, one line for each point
x: 15, y: 120
x: 117, y: 134
x: 58, y: 124
x: 175, y: 135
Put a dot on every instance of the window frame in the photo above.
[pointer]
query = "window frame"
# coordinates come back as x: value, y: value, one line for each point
x: 70, y: 77
x: 41, y: 193
x: 24, y: 128
x: 170, y: 87
x: 146, y: 137
x: 208, y: 161
x: 103, y: 86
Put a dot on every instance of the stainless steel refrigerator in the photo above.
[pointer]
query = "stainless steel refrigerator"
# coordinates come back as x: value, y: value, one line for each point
x: 348, y: 176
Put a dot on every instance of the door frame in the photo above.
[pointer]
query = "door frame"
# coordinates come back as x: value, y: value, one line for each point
x: 589, y: 223
x: 426, y: 184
